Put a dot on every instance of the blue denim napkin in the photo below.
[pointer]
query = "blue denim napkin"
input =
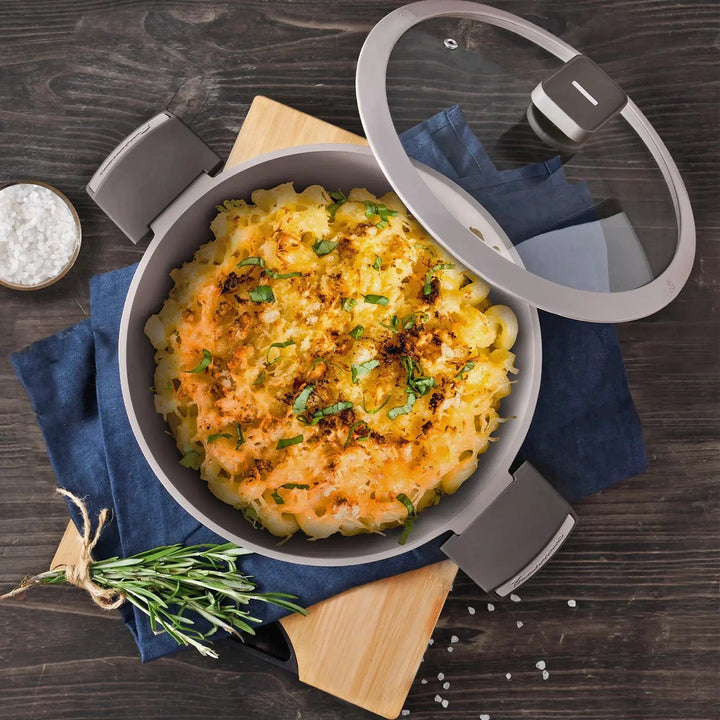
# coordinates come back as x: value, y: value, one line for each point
x: 585, y: 434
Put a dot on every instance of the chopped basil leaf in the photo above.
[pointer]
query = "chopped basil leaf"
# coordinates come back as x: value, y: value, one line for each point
x: 339, y: 198
x: 419, y: 385
x: 262, y: 294
x: 250, y: 514
x: 252, y: 261
x: 217, y: 436
x: 356, y: 332
x: 407, y: 529
x: 295, y: 486
x: 278, y: 345
x: 377, y: 409
x: 207, y: 359
x: 259, y: 378
x: 360, y: 369
x: 347, y: 304
x: 323, y: 247
x: 467, y: 367
x: 240, y: 438
x: 376, y: 300
x: 286, y: 442
x: 270, y: 273
x: 276, y: 497
x: 405, y: 500
x: 423, y: 384
x: 427, y: 288
x: 381, y: 210
x: 357, y: 423
x: 403, y: 409
x: 378, y: 263
x: 393, y: 324
x: 191, y: 459
x: 281, y: 276
x: 409, y: 322
x: 301, y: 401
x: 409, y: 520
x: 338, y: 407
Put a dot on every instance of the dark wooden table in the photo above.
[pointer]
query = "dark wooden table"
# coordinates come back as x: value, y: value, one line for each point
x: 75, y: 78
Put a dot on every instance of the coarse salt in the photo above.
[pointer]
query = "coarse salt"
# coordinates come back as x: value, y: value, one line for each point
x: 515, y: 598
x: 441, y: 676
x: 519, y: 623
x: 445, y: 703
x: 446, y: 685
x: 454, y: 639
x: 450, y: 648
x: 491, y: 607
x: 546, y: 675
x: 540, y: 664
x: 572, y: 603
x: 471, y: 610
x: 508, y: 676
x: 423, y: 681
x: 38, y: 234
x: 484, y: 716
x: 438, y: 699
x: 405, y: 713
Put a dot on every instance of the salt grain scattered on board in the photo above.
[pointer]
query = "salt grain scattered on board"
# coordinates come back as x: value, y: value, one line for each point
x: 431, y: 641
x: 445, y: 703
x: 423, y: 681
x: 471, y: 610
x: 508, y: 676
x: 515, y: 598
x: 540, y: 664
x: 519, y: 623
x: 441, y: 676
x: 446, y: 685
x: 454, y: 639
x: 491, y: 607
x: 405, y: 712
x: 438, y: 698
x: 450, y: 648
x: 484, y: 716
x: 572, y: 603
x: 546, y: 674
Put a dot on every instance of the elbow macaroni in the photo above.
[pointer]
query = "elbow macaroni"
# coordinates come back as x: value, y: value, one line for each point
x: 325, y: 366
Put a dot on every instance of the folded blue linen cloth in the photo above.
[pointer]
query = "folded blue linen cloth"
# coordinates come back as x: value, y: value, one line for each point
x: 585, y: 435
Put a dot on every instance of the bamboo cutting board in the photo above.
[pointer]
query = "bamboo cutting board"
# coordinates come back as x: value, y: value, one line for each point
x: 365, y: 645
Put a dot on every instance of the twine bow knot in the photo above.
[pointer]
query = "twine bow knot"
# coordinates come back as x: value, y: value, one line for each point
x: 78, y: 573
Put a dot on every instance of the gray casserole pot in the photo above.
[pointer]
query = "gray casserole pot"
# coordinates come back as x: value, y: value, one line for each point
x: 500, y: 528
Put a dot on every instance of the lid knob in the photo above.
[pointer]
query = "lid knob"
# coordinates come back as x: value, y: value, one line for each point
x: 574, y: 102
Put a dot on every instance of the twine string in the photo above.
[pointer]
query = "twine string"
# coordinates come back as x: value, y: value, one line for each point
x: 78, y: 573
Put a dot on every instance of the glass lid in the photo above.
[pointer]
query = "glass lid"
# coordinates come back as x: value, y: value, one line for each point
x: 576, y: 204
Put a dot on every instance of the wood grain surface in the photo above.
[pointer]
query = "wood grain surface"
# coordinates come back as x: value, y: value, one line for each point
x: 75, y: 78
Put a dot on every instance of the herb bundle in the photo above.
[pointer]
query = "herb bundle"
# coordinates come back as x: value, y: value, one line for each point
x: 168, y: 584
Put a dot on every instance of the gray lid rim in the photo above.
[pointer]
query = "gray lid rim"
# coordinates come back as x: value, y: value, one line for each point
x: 375, y: 115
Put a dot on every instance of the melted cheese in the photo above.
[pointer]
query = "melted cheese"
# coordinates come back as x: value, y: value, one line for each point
x: 400, y: 357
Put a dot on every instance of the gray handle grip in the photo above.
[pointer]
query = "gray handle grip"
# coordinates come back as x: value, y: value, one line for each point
x: 511, y: 540
x: 147, y: 171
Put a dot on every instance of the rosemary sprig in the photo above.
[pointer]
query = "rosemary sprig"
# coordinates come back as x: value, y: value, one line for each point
x: 169, y: 582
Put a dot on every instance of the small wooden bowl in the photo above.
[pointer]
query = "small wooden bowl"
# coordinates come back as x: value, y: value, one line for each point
x: 78, y: 243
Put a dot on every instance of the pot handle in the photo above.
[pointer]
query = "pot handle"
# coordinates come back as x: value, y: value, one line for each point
x: 147, y: 171
x: 511, y: 540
